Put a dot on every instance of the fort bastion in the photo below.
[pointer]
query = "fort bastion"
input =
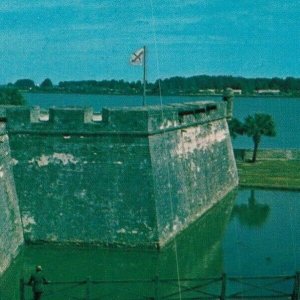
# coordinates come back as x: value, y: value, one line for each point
x: 136, y: 177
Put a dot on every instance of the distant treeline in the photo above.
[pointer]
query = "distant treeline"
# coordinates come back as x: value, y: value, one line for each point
x: 202, y: 84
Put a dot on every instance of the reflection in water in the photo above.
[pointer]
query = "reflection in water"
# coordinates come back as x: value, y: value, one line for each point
x: 252, y: 214
x: 199, y: 247
x: 196, y: 252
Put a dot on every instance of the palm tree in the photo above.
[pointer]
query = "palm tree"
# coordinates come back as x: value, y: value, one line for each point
x: 256, y: 126
x: 236, y: 127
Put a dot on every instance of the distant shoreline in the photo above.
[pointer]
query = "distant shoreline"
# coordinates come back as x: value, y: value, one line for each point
x: 157, y: 95
x: 192, y: 86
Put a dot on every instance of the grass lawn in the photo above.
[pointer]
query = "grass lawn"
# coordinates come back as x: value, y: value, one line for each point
x: 281, y: 174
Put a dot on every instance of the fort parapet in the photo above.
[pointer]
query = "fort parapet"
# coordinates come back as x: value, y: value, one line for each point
x: 136, y: 177
x: 130, y: 120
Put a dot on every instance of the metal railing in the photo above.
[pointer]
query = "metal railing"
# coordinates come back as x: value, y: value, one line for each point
x: 222, y: 287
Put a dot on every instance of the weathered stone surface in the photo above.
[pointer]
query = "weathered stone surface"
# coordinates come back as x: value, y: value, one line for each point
x: 11, y: 234
x: 137, y: 177
x: 193, y: 169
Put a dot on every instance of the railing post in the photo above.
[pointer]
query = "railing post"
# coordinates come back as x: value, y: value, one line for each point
x: 296, y: 292
x: 156, y: 281
x: 87, y: 290
x: 22, y: 289
x: 223, y: 288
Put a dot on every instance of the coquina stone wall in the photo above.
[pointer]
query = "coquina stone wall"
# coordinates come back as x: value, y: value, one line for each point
x: 11, y: 233
x: 137, y: 177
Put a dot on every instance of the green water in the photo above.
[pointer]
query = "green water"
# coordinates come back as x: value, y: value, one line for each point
x: 250, y: 233
x: 263, y: 235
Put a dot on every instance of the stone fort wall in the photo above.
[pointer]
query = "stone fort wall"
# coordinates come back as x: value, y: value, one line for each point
x: 11, y: 233
x: 136, y: 177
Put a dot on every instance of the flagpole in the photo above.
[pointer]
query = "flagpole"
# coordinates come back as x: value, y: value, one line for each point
x: 144, y: 92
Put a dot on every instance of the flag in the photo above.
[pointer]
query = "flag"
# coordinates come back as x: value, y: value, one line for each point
x: 137, y: 58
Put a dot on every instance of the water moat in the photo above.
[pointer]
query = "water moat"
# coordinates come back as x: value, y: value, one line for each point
x: 251, y: 233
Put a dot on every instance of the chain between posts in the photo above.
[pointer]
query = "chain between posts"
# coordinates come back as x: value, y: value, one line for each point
x: 192, y: 285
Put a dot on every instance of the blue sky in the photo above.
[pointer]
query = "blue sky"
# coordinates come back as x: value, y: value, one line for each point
x: 80, y: 40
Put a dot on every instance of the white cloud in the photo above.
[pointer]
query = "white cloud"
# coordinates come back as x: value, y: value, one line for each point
x: 200, y: 39
x: 172, y: 21
x: 17, y: 5
x: 283, y: 7
x: 88, y: 27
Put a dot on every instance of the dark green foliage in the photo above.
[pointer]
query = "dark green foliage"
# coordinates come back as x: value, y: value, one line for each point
x: 46, y: 84
x: 11, y: 96
x: 183, y: 86
x: 195, y: 85
x: 24, y: 84
x: 254, y: 126
x: 247, y: 85
x: 235, y: 127
x: 102, y: 87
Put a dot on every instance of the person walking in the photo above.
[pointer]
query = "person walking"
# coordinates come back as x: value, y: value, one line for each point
x: 37, y: 281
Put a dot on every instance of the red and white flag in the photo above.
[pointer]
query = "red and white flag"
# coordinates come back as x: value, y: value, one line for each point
x: 137, y: 58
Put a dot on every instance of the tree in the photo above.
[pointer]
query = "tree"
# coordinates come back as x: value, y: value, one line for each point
x: 46, y: 84
x: 257, y: 126
x: 11, y: 96
x: 236, y: 127
x: 24, y: 84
